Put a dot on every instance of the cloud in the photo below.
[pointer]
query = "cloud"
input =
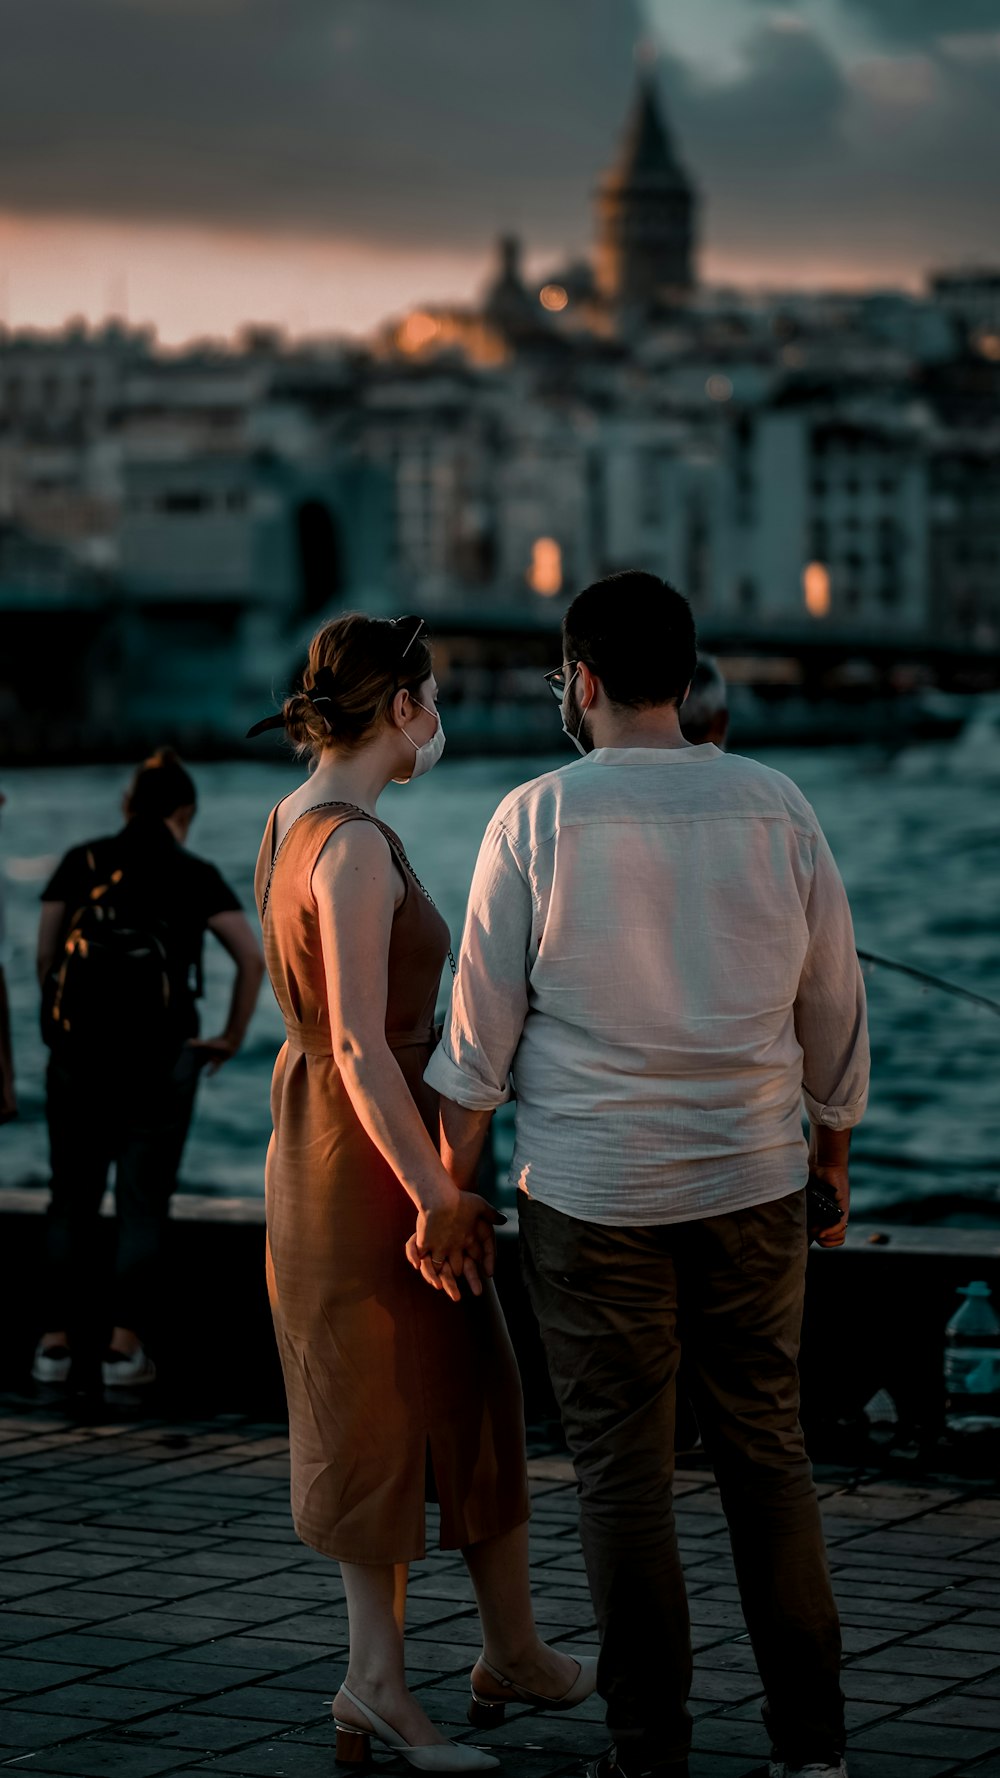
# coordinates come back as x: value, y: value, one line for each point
x: 428, y: 125
x: 372, y: 119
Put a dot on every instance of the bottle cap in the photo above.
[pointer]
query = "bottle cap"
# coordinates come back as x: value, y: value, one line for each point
x: 978, y: 1288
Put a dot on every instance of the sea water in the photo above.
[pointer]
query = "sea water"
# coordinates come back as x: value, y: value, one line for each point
x: 917, y: 838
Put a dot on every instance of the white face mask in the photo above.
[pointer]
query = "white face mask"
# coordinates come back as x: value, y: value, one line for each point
x: 428, y: 755
x: 568, y: 732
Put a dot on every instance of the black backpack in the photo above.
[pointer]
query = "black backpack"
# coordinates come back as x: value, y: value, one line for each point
x: 108, y: 995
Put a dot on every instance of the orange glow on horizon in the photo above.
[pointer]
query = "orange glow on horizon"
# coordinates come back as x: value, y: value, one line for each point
x: 190, y: 281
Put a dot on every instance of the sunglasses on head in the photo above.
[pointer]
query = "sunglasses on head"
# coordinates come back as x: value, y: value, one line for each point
x: 408, y: 631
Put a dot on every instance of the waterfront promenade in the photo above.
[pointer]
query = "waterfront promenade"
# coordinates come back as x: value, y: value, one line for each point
x: 160, y: 1616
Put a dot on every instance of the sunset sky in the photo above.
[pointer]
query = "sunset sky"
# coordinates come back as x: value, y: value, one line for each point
x: 321, y: 163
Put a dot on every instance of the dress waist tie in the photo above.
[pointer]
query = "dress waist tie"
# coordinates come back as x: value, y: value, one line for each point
x: 314, y: 1040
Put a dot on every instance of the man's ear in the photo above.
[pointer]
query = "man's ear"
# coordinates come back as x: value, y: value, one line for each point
x: 590, y: 685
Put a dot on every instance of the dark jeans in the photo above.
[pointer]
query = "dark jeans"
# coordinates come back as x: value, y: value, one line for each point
x: 140, y: 1123
x: 615, y: 1306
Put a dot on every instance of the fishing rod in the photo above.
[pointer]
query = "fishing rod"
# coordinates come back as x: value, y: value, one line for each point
x: 931, y: 981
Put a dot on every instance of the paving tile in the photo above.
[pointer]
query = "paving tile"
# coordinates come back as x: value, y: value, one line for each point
x: 21, y: 1627
x: 906, y: 1735
x: 909, y: 1658
x: 28, y: 1728
x: 102, y: 1758
x: 890, y: 1688
x: 985, y: 1688
x: 91, y: 1648
x: 964, y: 1710
x: 265, y: 1705
x: 192, y: 1677
x: 73, y: 1602
x: 184, y: 1729
x: 255, y: 1655
x: 977, y: 1638
x: 32, y: 1676
x: 894, y: 1765
x: 93, y: 1698
x: 158, y: 1626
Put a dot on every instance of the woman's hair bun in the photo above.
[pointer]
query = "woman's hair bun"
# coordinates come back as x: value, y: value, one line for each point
x: 351, y: 678
x: 304, y: 725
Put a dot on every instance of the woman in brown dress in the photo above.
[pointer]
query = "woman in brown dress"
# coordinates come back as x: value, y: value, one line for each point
x: 389, y: 1383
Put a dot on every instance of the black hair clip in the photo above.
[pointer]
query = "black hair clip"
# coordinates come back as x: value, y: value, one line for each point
x: 320, y: 693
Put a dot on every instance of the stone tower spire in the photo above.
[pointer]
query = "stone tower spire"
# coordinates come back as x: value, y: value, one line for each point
x: 646, y: 215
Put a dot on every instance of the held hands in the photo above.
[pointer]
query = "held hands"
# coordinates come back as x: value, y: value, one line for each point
x: 454, y: 1239
x: 835, y: 1183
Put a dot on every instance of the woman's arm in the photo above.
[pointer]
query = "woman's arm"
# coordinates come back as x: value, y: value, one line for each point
x: 354, y: 882
x: 235, y: 934
x: 50, y: 925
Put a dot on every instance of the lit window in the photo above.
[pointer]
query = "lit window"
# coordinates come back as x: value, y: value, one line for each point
x: 553, y: 296
x: 545, y: 574
x: 816, y: 587
x: 718, y: 388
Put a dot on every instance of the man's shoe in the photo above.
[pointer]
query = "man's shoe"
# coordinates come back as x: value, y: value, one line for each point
x: 52, y: 1364
x: 609, y: 1766
x: 132, y: 1370
x: 813, y: 1769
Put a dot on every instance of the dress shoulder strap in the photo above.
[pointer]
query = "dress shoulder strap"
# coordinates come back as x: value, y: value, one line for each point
x: 348, y: 812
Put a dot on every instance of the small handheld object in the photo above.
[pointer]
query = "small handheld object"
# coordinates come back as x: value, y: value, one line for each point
x: 822, y: 1209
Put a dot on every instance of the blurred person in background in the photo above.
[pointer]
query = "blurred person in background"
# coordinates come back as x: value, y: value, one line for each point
x: 705, y: 710
x: 119, y: 963
x: 8, y: 1097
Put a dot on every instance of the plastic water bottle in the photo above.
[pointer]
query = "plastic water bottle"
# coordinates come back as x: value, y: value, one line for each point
x: 972, y: 1362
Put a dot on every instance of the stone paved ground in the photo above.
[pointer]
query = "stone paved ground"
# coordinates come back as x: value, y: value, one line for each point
x: 161, y: 1617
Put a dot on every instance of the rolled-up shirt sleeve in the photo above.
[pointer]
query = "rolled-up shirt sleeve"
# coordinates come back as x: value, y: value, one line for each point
x: 489, y: 1001
x: 831, y: 1019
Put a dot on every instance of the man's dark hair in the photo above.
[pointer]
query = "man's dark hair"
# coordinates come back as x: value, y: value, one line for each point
x: 636, y: 632
x: 160, y: 787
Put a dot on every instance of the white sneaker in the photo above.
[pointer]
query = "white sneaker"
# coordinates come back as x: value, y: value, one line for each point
x: 132, y: 1372
x: 815, y: 1769
x: 52, y: 1364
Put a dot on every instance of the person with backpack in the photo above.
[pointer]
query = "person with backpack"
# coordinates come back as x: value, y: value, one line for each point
x: 119, y: 962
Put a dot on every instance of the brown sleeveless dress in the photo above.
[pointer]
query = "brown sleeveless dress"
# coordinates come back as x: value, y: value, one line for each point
x: 392, y: 1389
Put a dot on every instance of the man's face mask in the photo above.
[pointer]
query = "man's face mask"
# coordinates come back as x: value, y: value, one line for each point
x: 581, y: 742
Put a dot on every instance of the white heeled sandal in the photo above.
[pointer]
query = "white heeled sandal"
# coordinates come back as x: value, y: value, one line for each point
x: 487, y: 1709
x: 354, y: 1746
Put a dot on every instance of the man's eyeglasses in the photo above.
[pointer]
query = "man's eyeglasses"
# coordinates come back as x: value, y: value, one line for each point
x: 556, y: 681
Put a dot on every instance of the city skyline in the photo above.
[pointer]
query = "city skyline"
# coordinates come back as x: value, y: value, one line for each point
x: 325, y: 167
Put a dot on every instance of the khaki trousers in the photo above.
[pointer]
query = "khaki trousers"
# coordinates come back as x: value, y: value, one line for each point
x: 616, y: 1308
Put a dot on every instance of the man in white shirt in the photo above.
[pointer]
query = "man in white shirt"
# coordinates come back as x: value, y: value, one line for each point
x: 659, y: 962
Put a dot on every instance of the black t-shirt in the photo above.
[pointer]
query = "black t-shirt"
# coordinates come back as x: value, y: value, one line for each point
x: 181, y: 892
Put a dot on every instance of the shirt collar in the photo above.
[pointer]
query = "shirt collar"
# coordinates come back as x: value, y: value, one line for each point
x: 652, y: 756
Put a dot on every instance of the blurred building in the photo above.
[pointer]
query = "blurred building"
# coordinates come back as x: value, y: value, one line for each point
x: 804, y: 465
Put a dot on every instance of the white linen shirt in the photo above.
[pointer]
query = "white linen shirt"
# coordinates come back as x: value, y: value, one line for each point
x: 658, y: 959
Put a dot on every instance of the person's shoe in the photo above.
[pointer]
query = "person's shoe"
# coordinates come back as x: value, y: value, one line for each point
x: 354, y: 1746
x: 132, y: 1370
x: 813, y: 1769
x: 608, y: 1766
x: 52, y: 1364
x: 492, y: 1691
